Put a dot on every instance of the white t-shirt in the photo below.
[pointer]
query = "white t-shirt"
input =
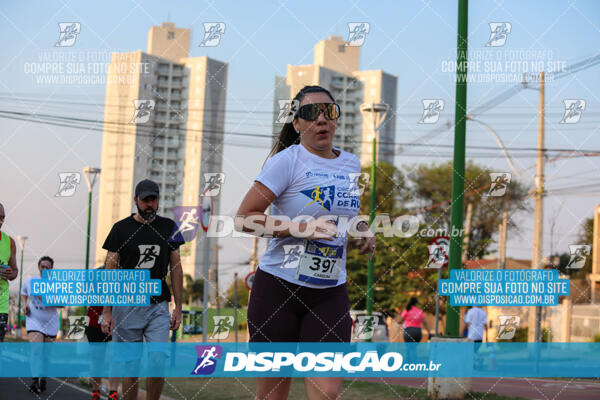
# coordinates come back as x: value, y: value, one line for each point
x: 306, y: 184
x: 41, y: 318
x: 477, y: 319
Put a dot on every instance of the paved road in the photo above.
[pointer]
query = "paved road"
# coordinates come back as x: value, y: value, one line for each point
x: 538, y: 389
x: 57, y: 389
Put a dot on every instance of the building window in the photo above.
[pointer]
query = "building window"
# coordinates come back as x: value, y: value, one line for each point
x: 341, y: 48
x: 170, y: 35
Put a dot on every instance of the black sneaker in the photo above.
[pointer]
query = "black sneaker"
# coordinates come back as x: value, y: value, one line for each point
x: 43, y: 384
x: 35, y: 386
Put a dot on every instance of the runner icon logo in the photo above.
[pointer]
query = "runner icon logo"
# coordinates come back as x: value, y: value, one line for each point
x: 357, y: 33
x: 365, y: 326
x: 77, y: 325
x: 213, y: 31
x: 431, y: 110
x: 508, y: 326
x: 573, y: 111
x: 358, y: 182
x: 143, y: 108
x: 186, y: 225
x: 498, y: 34
x: 68, y: 183
x: 207, y: 359
x: 213, y: 182
x: 148, y: 255
x: 222, y: 326
x: 579, y: 253
x: 322, y: 196
x: 68, y: 33
x: 287, y: 111
x: 499, y: 183
x: 291, y: 255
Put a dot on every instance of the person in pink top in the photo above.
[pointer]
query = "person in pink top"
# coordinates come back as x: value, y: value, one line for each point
x: 411, y: 319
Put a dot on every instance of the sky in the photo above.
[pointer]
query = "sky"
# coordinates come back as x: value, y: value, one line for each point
x: 413, y: 40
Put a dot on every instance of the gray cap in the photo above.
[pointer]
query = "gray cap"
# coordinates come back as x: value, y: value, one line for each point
x: 146, y: 188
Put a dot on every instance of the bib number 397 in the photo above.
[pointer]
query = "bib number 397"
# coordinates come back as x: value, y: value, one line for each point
x: 319, y: 263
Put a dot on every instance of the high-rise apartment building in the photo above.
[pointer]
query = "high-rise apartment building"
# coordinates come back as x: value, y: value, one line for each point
x: 336, y: 68
x: 175, y: 141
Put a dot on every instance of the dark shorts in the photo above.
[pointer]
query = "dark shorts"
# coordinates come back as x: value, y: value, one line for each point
x: 3, y: 324
x: 43, y: 334
x: 95, y: 335
x: 412, y: 335
x: 281, y: 311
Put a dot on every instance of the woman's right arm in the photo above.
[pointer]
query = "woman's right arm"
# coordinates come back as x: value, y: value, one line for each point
x: 251, y: 218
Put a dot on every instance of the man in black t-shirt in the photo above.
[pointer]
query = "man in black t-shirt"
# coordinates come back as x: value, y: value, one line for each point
x: 144, y: 240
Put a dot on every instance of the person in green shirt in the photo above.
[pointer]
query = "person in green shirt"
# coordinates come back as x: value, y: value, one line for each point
x: 8, y: 272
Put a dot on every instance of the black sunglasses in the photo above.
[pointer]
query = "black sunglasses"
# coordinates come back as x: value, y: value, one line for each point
x: 311, y: 112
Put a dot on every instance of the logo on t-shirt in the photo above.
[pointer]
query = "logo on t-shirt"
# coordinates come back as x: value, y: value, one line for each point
x: 148, y: 255
x: 321, y: 195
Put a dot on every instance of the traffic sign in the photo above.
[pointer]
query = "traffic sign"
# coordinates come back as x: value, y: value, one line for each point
x: 206, y: 203
x: 249, y: 280
x: 439, y: 248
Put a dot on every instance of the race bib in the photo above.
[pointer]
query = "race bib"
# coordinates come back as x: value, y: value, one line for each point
x: 319, y: 264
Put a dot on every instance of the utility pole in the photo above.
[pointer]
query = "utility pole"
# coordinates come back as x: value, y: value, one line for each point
x: 466, y: 238
x: 378, y: 112
x: 502, y: 235
x: 235, y: 305
x: 535, y: 317
x: 254, y: 256
x: 22, y: 240
x: 216, y: 270
x: 458, y: 176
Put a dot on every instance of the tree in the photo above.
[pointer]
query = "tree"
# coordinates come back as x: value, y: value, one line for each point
x: 193, y: 290
x: 243, y: 294
x: 431, y: 189
x: 585, y: 236
x: 390, y: 188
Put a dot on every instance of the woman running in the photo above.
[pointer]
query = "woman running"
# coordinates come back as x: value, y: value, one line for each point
x: 41, y: 325
x: 299, y: 292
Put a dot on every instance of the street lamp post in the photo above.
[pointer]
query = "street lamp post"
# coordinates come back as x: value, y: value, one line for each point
x: 90, y: 175
x: 378, y: 113
x: 22, y: 240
